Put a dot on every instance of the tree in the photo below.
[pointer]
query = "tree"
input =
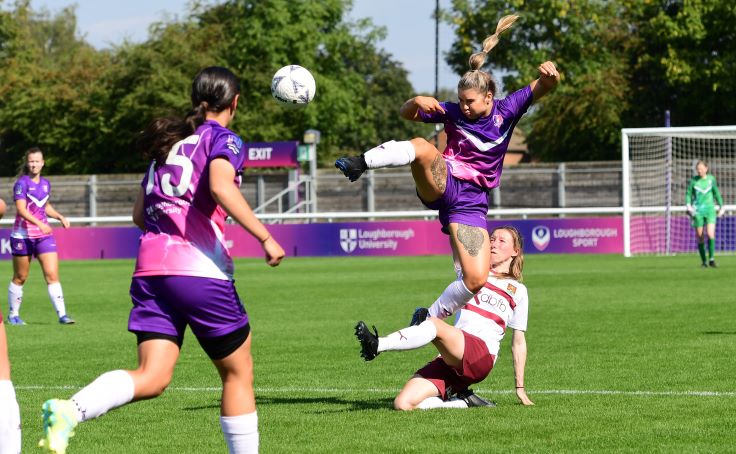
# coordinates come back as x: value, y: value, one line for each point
x: 85, y: 107
x: 51, y: 95
x: 624, y: 62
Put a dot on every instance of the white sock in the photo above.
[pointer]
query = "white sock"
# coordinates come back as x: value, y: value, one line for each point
x: 241, y: 433
x: 409, y: 338
x: 15, y: 297
x: 455, y: 296
x: 57, y: 298
x: 390, y: 154
x: 109, y: 391
x: 10, y: 435
x: 436, y: 402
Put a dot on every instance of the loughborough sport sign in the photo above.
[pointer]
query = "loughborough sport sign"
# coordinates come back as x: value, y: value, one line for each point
x: 270, y: 154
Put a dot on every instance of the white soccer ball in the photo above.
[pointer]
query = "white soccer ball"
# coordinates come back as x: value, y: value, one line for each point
x: 293, y: 85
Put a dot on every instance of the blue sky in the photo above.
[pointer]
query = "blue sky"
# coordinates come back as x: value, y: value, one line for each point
x: 410, y: 28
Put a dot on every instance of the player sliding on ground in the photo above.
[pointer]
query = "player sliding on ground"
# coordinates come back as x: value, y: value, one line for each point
x: 456, y: 182
x: 469, y: 349
x: 184, y: 273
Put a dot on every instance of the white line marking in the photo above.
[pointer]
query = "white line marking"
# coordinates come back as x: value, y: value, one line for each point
x: 600, y: 392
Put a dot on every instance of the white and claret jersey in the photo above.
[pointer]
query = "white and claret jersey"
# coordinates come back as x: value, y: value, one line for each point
x: 36, y: 195
x: 501, y: 303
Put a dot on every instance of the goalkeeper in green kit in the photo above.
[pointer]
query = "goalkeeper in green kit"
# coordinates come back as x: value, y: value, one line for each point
x: 701, y: 193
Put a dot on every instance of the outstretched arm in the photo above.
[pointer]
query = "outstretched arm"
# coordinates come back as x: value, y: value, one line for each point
x: 549, y: 77
x: 518, y: 351
x: 228, y: 196
x: 427, y: 104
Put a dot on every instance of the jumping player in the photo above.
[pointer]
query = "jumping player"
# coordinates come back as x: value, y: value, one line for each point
x: 701, y: 192
x: 456, y: 182
x: 468, y: 350
x: 184, y: 272
x: 32, y: 237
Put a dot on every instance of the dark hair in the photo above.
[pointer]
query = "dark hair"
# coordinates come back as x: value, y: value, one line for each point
x: 213, y: 90
x: 23, y: 167
x: 476, y: 78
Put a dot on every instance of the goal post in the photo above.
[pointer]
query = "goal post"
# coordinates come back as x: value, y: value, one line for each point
x: 657, y: 165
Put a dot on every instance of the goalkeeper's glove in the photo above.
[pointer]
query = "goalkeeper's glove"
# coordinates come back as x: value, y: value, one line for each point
x: 722, y: 211
x: 690, y: 210
x: 420, y: 314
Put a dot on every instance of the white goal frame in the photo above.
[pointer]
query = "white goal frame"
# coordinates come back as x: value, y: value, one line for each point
x: 670, y: 207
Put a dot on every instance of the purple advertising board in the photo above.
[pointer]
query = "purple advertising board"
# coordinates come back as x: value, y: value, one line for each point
x: 395, y: 238
x: 271, y: 154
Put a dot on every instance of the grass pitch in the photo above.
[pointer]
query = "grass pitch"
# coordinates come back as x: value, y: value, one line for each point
x: 627, y: 355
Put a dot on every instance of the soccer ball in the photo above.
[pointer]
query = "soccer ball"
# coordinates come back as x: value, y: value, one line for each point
x: 293, y: 85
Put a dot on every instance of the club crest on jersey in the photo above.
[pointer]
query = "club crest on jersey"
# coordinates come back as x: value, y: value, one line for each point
x: 540, y: 237
x: 497, y: 120
x: 234, y: 144
x: 348, y: 239
x: 511, y: 289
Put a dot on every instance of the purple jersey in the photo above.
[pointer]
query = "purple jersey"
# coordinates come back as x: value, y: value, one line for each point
x: 184, y: 224
x: 476, y: 148
x: 36, y: 195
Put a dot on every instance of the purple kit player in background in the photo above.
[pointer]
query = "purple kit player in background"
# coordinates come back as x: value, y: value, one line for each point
x: 456, y: 182
x: 32, y: 237
x: 184, y: 273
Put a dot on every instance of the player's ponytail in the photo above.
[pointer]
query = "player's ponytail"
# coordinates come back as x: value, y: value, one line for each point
x: 213, y: 90
x: 476, y: 78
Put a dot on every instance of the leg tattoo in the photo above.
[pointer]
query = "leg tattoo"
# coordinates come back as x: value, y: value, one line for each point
x: 471, y: 238
x: 439, y: 172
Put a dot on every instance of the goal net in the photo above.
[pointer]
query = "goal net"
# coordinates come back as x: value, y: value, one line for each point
x: 658, y: 164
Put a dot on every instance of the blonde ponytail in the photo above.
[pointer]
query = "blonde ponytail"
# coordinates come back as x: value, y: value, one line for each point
x: 478, y: 59
x: 481, y: 80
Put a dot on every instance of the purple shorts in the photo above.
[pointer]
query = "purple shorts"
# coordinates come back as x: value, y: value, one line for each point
x: 463, y: 203
x: 34, y: 247
x: 477, y: 364
x: 167, y: 304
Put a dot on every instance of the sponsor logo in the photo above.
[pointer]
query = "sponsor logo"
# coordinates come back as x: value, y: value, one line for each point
x: 585, y: 237
x: 540, y: 237
x: 497, y: 120
x: 5, y: 246
x: 45, y: 188
x: 352, y: 239
x: 234, y: 144
x: 19, y: 190
x: 511, y: 289
x: 348, y: 239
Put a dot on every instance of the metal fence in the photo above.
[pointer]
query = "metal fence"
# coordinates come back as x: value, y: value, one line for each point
x: 535, y: 187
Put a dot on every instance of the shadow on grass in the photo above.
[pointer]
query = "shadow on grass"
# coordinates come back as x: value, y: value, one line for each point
x: 719, y: 332
x: 340, y: 404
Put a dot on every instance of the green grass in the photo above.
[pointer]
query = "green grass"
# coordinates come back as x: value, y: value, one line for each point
x: 616, y: 349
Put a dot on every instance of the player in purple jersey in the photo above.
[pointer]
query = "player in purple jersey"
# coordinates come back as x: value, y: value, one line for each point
x: 456, y: 181
x: 32, y: 237
x: 469, y: 348
x: 184, y: 273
